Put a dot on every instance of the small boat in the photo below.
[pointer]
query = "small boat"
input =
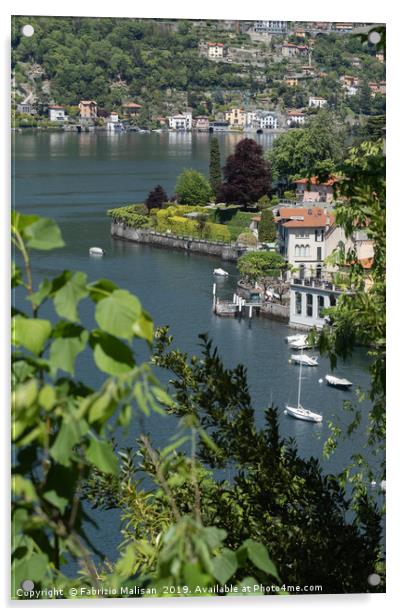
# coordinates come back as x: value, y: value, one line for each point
x: 334, y: 381
x: 97, y: 252
x: 299, y: 412
x: 302, y: 413
x: 296, y: 338
x: 304, y: 360
x: 300, y: 345
x: 220, y: 272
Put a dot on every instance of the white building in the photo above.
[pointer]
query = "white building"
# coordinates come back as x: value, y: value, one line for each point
x: 215, y: 50
x: 308, y: 300
x: 295, y: 116
x: 57, y: 113
x: 268, y: 120
x: 317, y: 101
x: 266, y: 27
x: 181, y: 121
x: 301, y: 232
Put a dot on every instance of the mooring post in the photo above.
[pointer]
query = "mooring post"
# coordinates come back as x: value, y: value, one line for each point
x: 214, y: 296
x: 250, y: 312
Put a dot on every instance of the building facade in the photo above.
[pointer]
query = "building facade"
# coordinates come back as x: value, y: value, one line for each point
x: 215, y: 50
x: 88, y: 110
x: 295, y: 117
x: 57, y: 113
x: 311, y: 190
x: 181, y: 121
x: 236, y: 117
x: 308, y: 300
x: 317, y: 102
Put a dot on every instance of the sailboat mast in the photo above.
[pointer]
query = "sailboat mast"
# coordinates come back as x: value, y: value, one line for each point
x: 300, y: 371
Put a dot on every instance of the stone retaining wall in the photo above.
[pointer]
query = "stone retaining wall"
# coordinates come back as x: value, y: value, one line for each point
x: 227, y: 252
x: 275, y: 311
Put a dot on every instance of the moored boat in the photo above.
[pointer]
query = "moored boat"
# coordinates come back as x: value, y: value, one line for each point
x: 96, y: 251
x: 220, y: 272
x: 301, y: 413
x: 334, y: 381
x: 304, y: 360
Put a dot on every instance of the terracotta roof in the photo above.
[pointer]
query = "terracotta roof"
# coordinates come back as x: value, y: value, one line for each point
x: 132, y: 105
x: 216, y: 44
x: 314, y: 181
x: 87, y: 102
x: 311, y: 217
x: 55, y: 107
x: 295, y: 112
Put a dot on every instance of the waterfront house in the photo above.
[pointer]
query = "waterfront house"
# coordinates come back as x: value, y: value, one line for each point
x: 309, y: 297
x: 267, y: 119
x: 317, y: 102
x: 26, y: 108
x: 57, y: 113
x: 301, y: 233
x: 236, y: 117
x: 219, y: 126
x: 215, y: 50
x: 201, y: 123
x: 88, y: 110
x: 359, y: 242
x: 311, y: 190
x: 181, y: 121
x: 131, y: 110
x: 295, y: 117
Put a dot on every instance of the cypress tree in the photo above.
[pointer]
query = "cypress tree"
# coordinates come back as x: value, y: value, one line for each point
x: 215, y: 176
x: 267, y: 227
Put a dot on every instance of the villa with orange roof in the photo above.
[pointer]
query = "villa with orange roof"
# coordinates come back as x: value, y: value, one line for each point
x: 88, y: 110
x: 311, y: 190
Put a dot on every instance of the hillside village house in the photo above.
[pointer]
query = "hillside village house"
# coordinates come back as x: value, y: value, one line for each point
x: 290, y: 50
x: 310, y: 190
x: 266, y: 27
x: 88, y: 110
x: 215, y: 50
x: 236, y: 117
x: 130, y: 110
x: 307, y: 70
x: 295, y: 117
x: 181, y: 121
x: 201, y: 123
x: 57, y: 113
x: 377, y: 88
x: 291, y: 81
x: 317, y: 101
x: 301, y: 233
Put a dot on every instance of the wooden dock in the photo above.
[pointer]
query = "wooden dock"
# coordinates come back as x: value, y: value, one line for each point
x: 237, y: 307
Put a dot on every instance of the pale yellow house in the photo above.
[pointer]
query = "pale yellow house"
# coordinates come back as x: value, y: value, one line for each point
x: 236, y: 117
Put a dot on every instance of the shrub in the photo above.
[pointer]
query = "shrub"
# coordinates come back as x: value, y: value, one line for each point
x: 215, y: 232
x: 193, y: 188
x: 267, y: 227
x: 247, y: 238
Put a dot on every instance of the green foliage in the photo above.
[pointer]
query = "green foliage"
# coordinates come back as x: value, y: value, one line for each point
x: 303, y: 152
x: 254, y: 266
x: 247, y: 238
x: 216, y: 232
x: 267, y: 228
x: 360, y: 317
x: 193, y: 188
x: 215, y: 173
x: 135, y: 216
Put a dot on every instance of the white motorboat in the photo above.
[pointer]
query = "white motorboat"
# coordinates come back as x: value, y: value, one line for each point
x: 296, y: 338
x: 304, y: 360
x: 300, y: 345
x: 299, y: 412
x: 302, y: 413
x: 220, y: 272
x: 96, y: 251
x: 334, y: 381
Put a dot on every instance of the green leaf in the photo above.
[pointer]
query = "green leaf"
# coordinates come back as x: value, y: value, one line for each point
x: 43, y: 234
x: 67, y: 295
x: 101, y: 288
x: 24, y: 488
x: 30, y: 333
x: 111, y: 355
x: 32, y: 567
x: 47, y: 397
x: 42, y: 293
x: 144, y: 327
x: 70, y: 341
x: 57, y: 501
x: 224, y: 565
x: 16, y: 275
x: 69, y: 435
x: 102, y: 456
x: 117, y: 313
x: 258, y: 554
x: 103, y: 407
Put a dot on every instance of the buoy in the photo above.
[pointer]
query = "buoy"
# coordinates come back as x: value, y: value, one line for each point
x: 320, y: 380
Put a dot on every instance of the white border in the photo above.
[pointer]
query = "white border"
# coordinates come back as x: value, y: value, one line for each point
x: 292, y: 10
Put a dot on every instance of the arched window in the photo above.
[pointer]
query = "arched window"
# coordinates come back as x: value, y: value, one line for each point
x: 298, y: 303
x: 297, y: 250
x: 320, y: 306
x: 309, y: 305
x: 302, y: 251
x: 307, y: 251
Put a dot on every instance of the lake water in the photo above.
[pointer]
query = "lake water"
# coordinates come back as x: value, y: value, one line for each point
x: 75, y: 178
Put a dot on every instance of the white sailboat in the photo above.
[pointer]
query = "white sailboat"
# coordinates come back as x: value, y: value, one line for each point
x: 300, y: 412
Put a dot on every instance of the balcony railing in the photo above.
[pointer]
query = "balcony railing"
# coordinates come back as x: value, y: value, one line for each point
x: 317, y: 283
